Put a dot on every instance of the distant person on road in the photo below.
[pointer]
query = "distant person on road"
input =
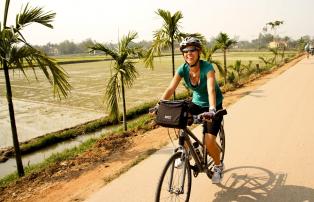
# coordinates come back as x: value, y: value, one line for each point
x: 307, y: 49
x: 199, y: 76
x: 311, y: 49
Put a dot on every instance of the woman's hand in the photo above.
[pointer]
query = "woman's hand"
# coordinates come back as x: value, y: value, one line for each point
x: 154, y: 110
x: 208, y: 115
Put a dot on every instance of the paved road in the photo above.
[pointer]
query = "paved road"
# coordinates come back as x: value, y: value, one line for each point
x: 270, y: 143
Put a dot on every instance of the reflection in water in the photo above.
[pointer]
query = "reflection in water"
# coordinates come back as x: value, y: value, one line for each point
x: 10, y: 165
x: 249, y: 183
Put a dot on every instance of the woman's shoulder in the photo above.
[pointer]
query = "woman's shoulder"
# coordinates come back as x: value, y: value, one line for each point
x: 206, y: 66
x: 182, y: 69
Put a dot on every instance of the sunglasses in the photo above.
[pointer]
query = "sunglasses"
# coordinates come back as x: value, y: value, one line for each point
x: 187, y: 49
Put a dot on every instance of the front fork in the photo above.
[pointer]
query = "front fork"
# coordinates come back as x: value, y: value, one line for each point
x: 184, y: 159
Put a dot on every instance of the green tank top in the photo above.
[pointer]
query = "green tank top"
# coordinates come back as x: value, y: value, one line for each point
x: 200, y: 93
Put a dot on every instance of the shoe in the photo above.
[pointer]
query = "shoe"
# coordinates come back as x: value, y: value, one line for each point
x: 178, y: 163
x: 217, y: 173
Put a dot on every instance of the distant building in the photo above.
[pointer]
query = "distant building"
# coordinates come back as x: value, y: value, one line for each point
x: 277, y: 44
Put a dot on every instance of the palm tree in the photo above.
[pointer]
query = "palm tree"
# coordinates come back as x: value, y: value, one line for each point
x: 15, y: 52
x: 273, y: 26
x: 224, y: 43
x: 165, y: 37
x: 207, y: 53
x: 124, y: 72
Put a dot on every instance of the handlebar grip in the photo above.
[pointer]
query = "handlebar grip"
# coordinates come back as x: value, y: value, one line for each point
x: 197, y: 119
x: 152, y: 110
x: 221, y: 112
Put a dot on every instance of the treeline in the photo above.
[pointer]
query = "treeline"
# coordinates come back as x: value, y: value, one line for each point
x: 262, y: 42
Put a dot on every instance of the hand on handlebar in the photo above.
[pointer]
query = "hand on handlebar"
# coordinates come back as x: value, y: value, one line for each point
x: 197, y: 119
x: 153, y: 111
x: 208, y: 115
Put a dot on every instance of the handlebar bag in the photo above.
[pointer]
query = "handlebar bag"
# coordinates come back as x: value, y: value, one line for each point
x: 172, y: 114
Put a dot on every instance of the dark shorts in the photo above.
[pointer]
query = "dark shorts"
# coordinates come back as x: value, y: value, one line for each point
x: 211, y: 126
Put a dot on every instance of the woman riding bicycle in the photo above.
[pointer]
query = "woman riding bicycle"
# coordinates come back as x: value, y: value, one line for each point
x: 199, y: 76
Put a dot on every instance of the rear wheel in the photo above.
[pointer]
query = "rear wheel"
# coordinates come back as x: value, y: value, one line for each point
x: 175, y: 182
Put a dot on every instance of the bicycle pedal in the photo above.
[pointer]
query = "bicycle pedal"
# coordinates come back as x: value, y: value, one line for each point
x: 195, y: 170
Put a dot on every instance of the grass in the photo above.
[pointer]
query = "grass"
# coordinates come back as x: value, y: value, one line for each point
x: 56, y: 157
x: 140, y: 123
x: 91, y: 126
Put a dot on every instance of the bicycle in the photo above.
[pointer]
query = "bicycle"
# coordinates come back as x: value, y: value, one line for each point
x: 175, y: 181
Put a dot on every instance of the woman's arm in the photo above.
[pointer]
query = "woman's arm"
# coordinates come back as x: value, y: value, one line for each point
x: 172, y: 87
x: 211, y: 89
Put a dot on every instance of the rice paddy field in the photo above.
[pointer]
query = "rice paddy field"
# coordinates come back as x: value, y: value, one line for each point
x: 38, y: 112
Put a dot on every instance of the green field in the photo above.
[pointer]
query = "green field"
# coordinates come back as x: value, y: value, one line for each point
x: 89, y: 81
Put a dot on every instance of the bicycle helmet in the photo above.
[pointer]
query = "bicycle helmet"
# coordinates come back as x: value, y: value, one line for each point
x: 190, y: 41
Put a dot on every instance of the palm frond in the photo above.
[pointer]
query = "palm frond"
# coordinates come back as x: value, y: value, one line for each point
x: 106, y: 50
x: 171, y: 26
x: 219, y: 67
x: 129, y: 73
x: 112, y: 95
x: 224, y: 42
x: 7, y: 38
x: 155, y: 50
x: 125, y: 41
x: 149, y: 58
x: 17, y: 58
x: 55, y: 74
x: 30, y: 15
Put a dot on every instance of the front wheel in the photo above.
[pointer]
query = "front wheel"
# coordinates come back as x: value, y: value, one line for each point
x: 175, y: 181
x: 222, y: 141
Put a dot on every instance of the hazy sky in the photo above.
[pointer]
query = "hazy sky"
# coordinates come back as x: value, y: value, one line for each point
x: 104, y: 21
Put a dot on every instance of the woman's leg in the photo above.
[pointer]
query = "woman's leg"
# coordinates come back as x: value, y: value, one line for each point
x: 212, y: 148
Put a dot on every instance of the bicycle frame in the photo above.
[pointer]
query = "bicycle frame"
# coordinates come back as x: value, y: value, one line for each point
x: 187, y: 135
x: 176, y: 175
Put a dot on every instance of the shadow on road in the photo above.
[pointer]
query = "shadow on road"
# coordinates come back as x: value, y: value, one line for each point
x: 249, y: 183
x: 256, y: 93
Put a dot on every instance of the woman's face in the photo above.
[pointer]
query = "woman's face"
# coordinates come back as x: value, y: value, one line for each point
x: 191, y: 54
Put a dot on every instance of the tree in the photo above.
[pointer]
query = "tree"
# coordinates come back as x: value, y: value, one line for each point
x: 273, y: 26
x: 68, y: 47
x: 208, y: 52
x: 165, y: 37
x: 224, y: 43
x: 84, y: 45
x: 15, y: 52
x: 123, y: 72
x: 277, y: 42
x: 301, y: 44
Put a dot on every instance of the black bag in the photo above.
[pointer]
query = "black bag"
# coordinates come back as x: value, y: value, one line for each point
x: 172, y: 114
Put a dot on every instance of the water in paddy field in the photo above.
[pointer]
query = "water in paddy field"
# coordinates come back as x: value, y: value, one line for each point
x: 38, y: 113
x: 36, y: 157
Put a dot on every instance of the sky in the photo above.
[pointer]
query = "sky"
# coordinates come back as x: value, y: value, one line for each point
x: 106, y: 21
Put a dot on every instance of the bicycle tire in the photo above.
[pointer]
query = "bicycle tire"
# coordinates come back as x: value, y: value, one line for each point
x: 222, y: 140
x: 163, y: 192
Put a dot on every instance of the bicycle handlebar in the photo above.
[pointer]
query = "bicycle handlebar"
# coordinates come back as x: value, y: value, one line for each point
x: 153, y: 109
x: 199, y: 118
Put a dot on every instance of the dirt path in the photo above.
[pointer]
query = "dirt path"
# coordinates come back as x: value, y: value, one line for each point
x: 75, y: 179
